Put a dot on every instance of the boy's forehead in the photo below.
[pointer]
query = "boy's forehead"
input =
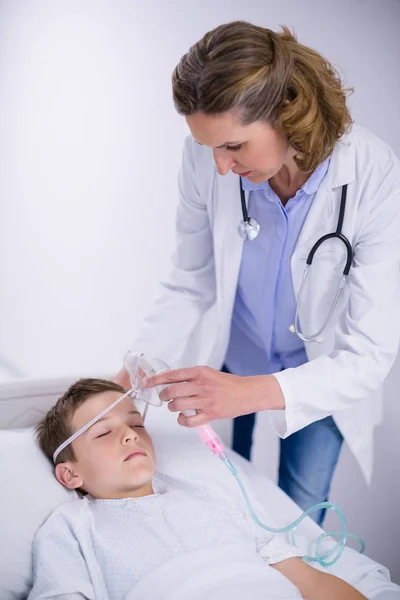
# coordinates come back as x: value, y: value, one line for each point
x: 95, y: 404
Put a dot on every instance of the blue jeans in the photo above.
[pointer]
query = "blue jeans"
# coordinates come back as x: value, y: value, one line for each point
x: 307, y: 459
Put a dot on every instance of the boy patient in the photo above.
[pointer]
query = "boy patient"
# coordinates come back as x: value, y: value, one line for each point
x: 134, y: 526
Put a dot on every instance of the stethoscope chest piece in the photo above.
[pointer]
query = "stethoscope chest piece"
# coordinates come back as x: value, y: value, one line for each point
x: 248, y: 230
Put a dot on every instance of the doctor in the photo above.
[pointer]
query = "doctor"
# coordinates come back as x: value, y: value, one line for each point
x: 273, y: 165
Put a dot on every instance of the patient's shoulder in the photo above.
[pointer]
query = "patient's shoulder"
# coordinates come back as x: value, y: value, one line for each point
x: 73, y: 508
x: 65, y: 517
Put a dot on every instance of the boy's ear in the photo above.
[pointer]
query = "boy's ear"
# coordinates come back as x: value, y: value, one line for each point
x: 67, y: 475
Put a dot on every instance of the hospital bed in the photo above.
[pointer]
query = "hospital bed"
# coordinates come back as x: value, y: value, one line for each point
x: 29, y: 491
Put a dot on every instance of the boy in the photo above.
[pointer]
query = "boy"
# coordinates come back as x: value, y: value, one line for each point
x: 140, y: 534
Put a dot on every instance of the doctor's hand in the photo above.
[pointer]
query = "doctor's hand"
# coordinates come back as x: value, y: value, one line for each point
x: 122, y: 378
x: 215, y: 395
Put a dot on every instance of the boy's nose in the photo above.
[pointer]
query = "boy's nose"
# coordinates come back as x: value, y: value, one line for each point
x: 132, y: 434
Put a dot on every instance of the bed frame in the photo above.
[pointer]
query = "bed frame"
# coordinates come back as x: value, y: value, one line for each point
x: 24, y: 402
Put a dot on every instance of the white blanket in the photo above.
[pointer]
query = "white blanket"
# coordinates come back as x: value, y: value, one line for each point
x: 216, y: 574
x: 233, y: 574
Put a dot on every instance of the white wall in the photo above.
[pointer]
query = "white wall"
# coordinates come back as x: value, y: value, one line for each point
x: 89, y: 151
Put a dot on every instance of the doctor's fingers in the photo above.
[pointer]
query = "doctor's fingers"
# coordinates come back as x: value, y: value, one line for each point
x: 194, y: 421
x: 188, y: 403
x: 178, y: 376
x: 122, y: 378
x: 179, y: 390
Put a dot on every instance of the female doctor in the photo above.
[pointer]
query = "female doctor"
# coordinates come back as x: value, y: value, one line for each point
x: 273, y: 164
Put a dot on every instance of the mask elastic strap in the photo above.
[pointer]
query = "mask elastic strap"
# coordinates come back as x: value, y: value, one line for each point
x: 73, y: 437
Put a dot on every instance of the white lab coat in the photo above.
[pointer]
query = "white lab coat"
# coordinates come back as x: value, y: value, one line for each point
x: 191, y: 320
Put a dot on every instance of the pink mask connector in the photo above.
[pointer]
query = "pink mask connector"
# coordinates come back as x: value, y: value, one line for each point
x: 208, y: 436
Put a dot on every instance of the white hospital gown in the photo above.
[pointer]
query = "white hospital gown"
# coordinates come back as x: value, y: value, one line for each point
x: 99, y: 549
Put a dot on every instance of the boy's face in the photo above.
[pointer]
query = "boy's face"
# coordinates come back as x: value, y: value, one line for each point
x: 115, y: 457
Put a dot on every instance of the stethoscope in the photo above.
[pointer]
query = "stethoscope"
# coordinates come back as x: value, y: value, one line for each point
x: 249, y: 229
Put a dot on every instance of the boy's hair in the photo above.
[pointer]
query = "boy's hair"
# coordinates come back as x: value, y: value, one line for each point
x: 55, y: 427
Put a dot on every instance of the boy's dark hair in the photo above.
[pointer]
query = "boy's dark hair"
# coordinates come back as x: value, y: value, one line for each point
x: 55, y: 427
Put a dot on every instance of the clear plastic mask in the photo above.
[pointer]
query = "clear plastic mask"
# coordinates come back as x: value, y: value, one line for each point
x: 139, y: 368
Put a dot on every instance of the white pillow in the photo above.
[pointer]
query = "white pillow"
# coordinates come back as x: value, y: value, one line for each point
x: 29, y: 493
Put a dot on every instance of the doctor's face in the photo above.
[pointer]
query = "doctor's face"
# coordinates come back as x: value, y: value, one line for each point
x: 256, y: 151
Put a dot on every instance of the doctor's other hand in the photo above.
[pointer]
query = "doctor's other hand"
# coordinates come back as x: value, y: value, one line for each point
x: 216, y: 395
x: 122, y: 378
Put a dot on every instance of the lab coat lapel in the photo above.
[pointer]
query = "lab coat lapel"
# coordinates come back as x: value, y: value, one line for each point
x: 228, y: 244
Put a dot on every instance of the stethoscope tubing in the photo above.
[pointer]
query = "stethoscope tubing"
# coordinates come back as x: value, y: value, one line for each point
x: 249, y: 229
